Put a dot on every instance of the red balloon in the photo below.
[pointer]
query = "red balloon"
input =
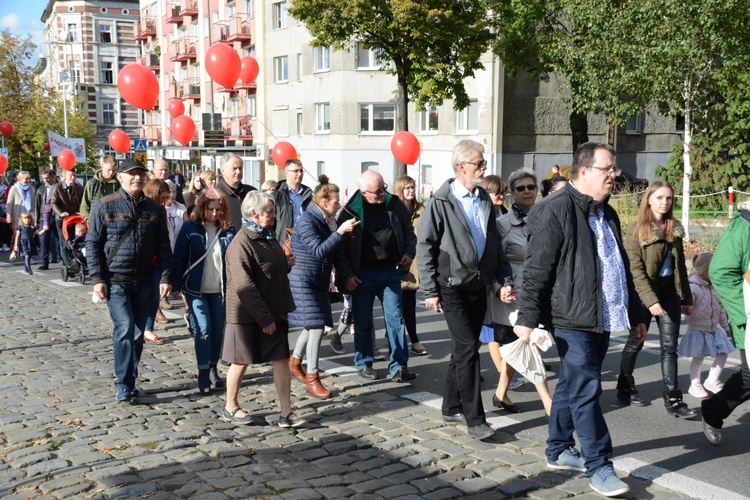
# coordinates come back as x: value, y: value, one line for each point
x: 3, y: 164
x: 138, y: 86
x: 223, y: 64
x: 282, y: 152
x: 183, y: 129
x: 6, y: 128
x: 250, y: 69
x: 46, y: 146
x: 119, y: 140
x: 66, y: 159
x: 176, y: 108
x: 405, y: 147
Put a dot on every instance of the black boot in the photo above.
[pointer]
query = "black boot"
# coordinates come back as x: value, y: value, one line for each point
x: 204, y: 381
x: 216, y: 380
x: 627, y: 393
x: 675, y: 406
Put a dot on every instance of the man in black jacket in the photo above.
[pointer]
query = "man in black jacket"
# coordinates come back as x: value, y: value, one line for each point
x: 291, y: 197
x: 576, y: 280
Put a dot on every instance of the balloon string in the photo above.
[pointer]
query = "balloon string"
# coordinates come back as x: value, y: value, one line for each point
x: 267, y: 129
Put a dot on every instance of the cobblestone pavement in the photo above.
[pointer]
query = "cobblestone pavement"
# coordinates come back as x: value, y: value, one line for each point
x: 62, y: 435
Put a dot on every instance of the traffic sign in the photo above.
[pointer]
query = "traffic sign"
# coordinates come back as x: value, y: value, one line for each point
x: 4, y: 151
x: 139, y: 146
x: 142, y: 157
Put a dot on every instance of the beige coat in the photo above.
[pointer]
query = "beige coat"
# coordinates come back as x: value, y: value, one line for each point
x: 410, y: 279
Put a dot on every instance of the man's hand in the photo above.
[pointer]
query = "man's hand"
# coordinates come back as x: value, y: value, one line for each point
x: 352, y: 283
x: 405, y: 263
x: 269, y: 329
x: 291, y: 259
x: 506, y: 294
x: 164, y: 290
x: 657, y: 310
x: 639, y: 333
x: 523, y: 333
x: 101, y: 291
x: 433, y: 304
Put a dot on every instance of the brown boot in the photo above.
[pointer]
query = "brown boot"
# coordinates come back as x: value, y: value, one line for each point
x: 314, y: 387
x: 160, y: 318
x: 295, y: 366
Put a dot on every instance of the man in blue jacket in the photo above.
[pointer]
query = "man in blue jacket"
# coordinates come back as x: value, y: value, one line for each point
x: 127, y: 233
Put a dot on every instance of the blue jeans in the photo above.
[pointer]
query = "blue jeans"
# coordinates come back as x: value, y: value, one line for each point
x: 127, y: 308
x: 153, y: 304
x: 207, y: 320
x: 49, y: 244
x: 575, y: 404
x: 385, y: 284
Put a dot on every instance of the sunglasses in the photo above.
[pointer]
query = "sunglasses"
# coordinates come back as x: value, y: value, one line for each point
x: 521, y: 189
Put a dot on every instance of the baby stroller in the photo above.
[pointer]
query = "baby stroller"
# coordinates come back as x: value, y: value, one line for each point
x: 76, y: 259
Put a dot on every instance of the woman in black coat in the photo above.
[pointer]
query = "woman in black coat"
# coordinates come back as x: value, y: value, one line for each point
x: 314, y: 243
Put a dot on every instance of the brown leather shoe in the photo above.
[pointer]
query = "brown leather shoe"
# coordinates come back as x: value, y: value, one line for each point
x: 314, y: 387
x: 295, y: 366
x: 160, y: 318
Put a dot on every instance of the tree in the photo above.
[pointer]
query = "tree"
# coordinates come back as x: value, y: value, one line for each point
x: 431, y: 46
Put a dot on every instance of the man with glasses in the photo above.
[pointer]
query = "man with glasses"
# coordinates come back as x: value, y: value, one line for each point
x: 368, y: 265
x: 577, y: 281
x: 291, y: 197
x: 459, y: 255
x: 230, y: 183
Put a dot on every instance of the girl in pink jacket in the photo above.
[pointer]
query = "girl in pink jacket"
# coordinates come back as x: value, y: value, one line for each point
x: 704, y: 337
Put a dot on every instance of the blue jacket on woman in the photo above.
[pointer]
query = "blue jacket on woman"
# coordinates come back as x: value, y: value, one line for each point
x: 190, y: 246
x: 314, y: 246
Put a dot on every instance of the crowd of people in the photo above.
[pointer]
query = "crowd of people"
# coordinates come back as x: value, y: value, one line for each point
x: 251, y: 264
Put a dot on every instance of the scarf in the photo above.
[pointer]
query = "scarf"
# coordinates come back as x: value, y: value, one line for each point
x: 25, y: 196
x: 520, y: 213
x: 254, y: 226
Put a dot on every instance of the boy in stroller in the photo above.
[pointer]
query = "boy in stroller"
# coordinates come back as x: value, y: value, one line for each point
x: 75, y: 248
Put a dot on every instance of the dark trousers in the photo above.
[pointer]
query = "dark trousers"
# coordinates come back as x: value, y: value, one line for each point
x: 49, y: 244
x: 409, y: 300
x: 735, y: 392
x: 464, y: 312
x: 669, y: 331
x: 575, y: 404
x: 64, y: 258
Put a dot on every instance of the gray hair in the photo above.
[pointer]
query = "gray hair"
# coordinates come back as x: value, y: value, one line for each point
x: 366, y: 177
x: 521, y: 173
x: 230, y: 156
x: 463, y: 150
x: 255, y: 201
x: 172, y: 185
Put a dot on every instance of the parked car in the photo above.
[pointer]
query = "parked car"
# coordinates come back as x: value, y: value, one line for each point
x: 629, y: 182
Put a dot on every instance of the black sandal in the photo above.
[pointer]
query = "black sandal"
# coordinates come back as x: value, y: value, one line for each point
x: 289, y: 423
x: 231, y: 416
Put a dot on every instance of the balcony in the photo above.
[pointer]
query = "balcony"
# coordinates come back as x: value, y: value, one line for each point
x: 152, y: 61
x: 145, y: 28
x: 189, y: 8
x: 174, y: 12
x: 183, y: 50
x: 175, y: 90
x: 238, y: 128
x: 237, y: 28
x: 151, y: 133
x: 191, y: 88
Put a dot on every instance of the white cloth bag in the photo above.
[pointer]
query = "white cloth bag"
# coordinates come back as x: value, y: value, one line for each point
x: 527, y: 358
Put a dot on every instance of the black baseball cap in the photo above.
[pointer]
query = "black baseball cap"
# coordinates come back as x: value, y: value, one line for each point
x: 130, y: 164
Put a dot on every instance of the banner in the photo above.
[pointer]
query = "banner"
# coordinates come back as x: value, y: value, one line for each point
x: 59, y: 143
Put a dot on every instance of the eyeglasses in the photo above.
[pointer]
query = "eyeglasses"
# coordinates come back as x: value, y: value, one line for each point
x: 379, y: 192
x: 521, y: 189
x: 295, y: 171
x: 478, y: 164
x: 608, y: 170
x: 409, y: 188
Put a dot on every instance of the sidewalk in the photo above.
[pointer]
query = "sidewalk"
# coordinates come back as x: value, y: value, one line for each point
x: 64, y: 436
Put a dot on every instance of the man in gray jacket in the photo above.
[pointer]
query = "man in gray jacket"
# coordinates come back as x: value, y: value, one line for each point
x: 458, y: 256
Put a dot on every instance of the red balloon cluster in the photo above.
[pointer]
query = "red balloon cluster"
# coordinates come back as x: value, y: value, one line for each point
x: 3, y: 164
x: 138, y: 86
x: 119, y: 141
x: 176, y: 108
x: 282, y: 152
x: 183, y: 129
x: 66, y: 159
x: 223, y: 64
x: 249, y: 69
x: 6, y: 128
x: 405, y: 147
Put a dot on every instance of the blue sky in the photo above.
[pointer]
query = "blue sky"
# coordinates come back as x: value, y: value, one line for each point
x: 22, y: 17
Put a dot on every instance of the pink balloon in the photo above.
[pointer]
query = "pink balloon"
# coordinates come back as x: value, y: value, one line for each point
x: 176, y: 108
x: 250, y: 69
x: 119, y: 140
x: 183, y: 129
x: 6, y: 128
x: 223, y: 64
x: 282, y: 152
x: 138, y: 86
x: 405, y: 147
x: 66, y: 159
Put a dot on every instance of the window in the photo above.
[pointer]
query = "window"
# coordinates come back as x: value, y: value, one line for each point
x: 377, y: 117
x: 367, y: 58
x: 249, y: 8
x: 320, y: 168
x: 75, y: 73
x: 206, y: 24
x: 323, y: 117
x: 299, y: 122
x: 234, y: 106
x: 679, y: 124
x: 108, y: 76
x: 72, y: 33
x: 299, y: 67
x: 105, y: 33
x: 280, y: 19
x: 321, y: 58
x: 230, y: 10
x: 467, y: 119
x: 281, y: 69
x: 368, y: 165
x: 250, y: 101
x: 634, y: 125
x: 108, y: 113
x: 428, y: 120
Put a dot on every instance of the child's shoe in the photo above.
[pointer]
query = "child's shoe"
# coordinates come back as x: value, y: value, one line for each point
x: 713, y: 386
x: 697, y: 391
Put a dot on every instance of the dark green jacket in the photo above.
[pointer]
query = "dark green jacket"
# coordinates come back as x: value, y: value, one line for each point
x: 94, y: 189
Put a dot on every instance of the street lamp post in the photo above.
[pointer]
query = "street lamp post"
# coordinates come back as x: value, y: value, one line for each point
x: 65, y: 79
